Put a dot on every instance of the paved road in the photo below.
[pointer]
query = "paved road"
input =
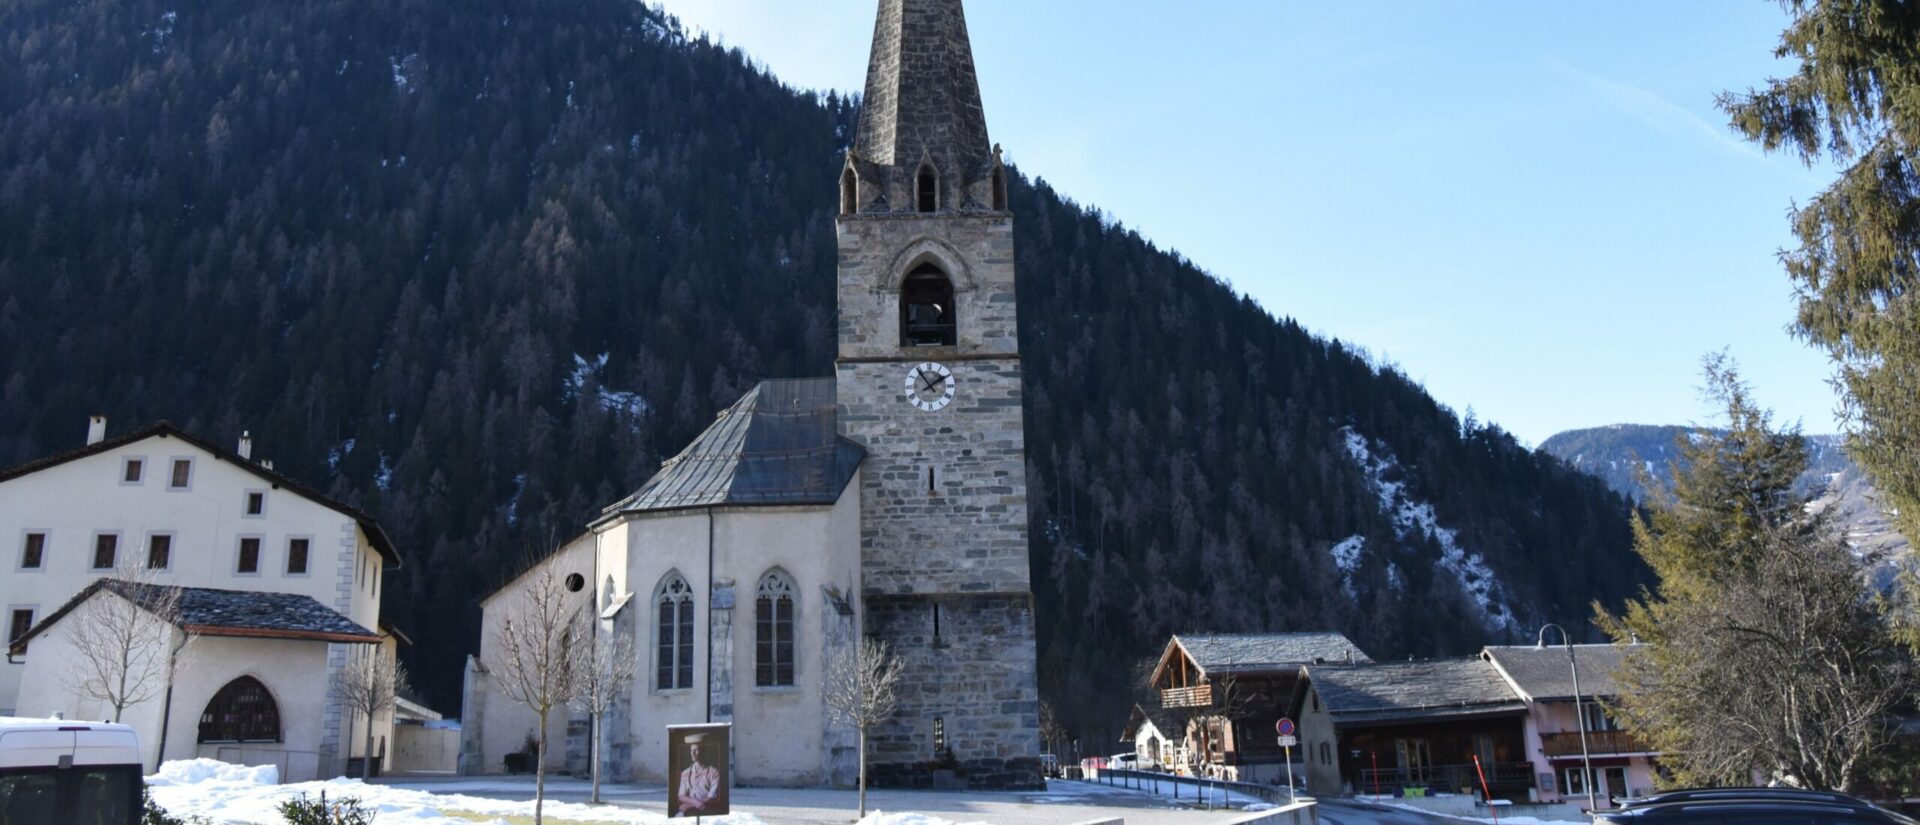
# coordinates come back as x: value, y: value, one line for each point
x: 1062, y: 803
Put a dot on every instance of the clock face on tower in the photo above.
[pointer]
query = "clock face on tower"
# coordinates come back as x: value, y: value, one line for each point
x: 929, y: 386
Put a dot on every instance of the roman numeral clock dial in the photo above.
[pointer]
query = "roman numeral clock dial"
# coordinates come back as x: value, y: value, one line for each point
x: 929, y: 386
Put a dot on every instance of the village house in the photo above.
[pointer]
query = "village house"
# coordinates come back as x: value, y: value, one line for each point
x: 1159, y: 739
x: 279, y: 583
x: 1227, y: 691
x: 1413, y: 728
x: 1543, y: 677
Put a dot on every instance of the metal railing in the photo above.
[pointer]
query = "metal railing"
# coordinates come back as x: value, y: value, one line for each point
x: 1204, y: 792
x: 1507, y: 776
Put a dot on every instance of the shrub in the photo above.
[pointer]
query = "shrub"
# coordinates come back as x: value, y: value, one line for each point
x: 151, y: 814
x: 302, y: 810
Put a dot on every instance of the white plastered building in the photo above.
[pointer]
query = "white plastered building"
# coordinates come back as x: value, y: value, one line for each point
x: 195, y: 515
x: 733, y: 569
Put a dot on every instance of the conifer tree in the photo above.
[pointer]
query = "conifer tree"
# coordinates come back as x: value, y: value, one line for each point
x: 1768, y: 654
x: 1855, y: 100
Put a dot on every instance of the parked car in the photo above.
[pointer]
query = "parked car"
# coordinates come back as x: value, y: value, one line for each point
x: 1758, y: 806
x: 56, y: 771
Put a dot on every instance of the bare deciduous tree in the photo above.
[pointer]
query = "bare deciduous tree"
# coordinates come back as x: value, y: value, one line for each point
x: 121, y: 636
x: 370, y: 684
x: 606, y: 675
x: 863, y: 690
x: 540, y: 662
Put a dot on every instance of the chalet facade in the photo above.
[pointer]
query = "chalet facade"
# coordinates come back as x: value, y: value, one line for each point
x: 1226, y: 692
x: 1432, y: 726
x: 1159, y: 739
x: 226, y: 529
x: 1623, y: 765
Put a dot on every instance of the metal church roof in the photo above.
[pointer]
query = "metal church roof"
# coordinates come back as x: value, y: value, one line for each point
x: 778, y: 445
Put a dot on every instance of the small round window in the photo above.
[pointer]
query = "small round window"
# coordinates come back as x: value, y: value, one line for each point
x: 576, y: 582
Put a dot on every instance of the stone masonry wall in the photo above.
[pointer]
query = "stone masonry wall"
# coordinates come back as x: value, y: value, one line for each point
x: 976, y: 678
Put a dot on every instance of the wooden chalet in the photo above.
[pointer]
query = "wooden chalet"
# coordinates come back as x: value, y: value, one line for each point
x: 1413, y: 727
x: 1228, y: 690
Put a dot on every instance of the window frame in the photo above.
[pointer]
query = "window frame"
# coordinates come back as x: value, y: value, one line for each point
x: 306, y: 569
x: 160, y: 534
x: 240, y: 550
x: 776, y: 585
x: 93, y: 562
x: 46, y: 545
x: 173, y: 463
x: 273, y: 704
x: 672, y: 639
x: 128, y: 463
x: 13, y: 612
x: 246, y: 503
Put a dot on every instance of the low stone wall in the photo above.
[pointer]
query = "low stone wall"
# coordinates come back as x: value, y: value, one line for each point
x: 1299, y: 813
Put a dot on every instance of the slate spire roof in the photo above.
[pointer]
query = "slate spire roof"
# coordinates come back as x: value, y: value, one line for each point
x: 778, y: 445
x: 922, y: 93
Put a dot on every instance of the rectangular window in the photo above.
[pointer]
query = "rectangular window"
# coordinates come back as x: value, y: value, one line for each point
x: 182, y: 474
x: 297, y: 556
x: 663, y: 667
x: 105, y: 547
x: 22, y: 622
x: 1573, y: 782
x: 135, y: 468
x: 159, y: 551
x: 34, y: 553
x: 249, y: 556
x: 376, y: 581
x: 256, y: 502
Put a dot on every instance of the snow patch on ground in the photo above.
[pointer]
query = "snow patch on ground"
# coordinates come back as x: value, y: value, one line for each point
x: 1346, y: 557
x: 625, y: 403
x: 1411, y: 516
x: 880, y: 818
x: 1390, y: 802
x: 340, y: 451
x: 248, y: 796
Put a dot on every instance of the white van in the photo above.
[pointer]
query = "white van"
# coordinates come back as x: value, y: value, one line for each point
x: 57, y: 772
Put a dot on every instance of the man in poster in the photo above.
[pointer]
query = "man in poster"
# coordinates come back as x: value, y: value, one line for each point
x: 697, y: 761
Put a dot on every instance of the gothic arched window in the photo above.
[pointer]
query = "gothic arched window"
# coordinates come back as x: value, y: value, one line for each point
x: 773, y: 631
x: 243, y: 711
x: 926, y: 189
x: 927, y: 314
x: 673, y: 634
x: 849, y: 192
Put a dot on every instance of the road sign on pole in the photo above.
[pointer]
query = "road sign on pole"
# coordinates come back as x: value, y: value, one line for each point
x: 1284, y: 727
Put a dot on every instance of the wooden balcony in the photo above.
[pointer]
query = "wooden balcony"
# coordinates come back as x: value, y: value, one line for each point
x: 1598, y: 742
x: 1198, y: 696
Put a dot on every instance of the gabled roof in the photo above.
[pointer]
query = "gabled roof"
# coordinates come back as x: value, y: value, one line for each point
x: 1223, y: 653
x: 1168, y: 724
x: 778, y: 445
x: 165, y: 429
x: 1401, y: 691
x: 1545, y: 675
x: 208, y: 612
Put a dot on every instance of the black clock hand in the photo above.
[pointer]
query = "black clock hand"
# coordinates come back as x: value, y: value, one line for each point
x: 927, y: 383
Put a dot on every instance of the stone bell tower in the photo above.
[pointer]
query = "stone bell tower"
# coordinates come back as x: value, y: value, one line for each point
x: 928, y: 379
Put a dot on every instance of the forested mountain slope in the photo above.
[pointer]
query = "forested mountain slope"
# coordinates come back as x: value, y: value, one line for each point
x: 479, y: 266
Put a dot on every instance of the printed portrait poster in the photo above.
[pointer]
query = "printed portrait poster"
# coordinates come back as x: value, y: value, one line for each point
x: 697, y: 776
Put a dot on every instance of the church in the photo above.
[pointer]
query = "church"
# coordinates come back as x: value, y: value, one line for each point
x: 888, y: 500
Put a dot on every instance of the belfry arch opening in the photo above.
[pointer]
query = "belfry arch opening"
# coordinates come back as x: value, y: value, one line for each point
x: 928, y: 317
x: 926, y: 189
x: 849, y: 192
x: 999, y: 190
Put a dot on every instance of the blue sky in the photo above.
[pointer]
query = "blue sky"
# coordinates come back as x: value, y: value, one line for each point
x: 1531, y: 207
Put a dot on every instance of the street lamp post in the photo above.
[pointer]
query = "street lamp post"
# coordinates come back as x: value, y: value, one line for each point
x: 1579, y: 713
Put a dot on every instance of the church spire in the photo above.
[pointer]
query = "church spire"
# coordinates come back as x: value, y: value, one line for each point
x: 922, y: 116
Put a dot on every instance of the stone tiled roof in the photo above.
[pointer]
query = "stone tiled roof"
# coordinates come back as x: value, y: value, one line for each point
x: 1545, y: 674
x: 1240, y: 653
x: 922, y: 97
x: 210, y: 612
x: 1398, y: 691
x: 778, y: 445
x: 165, y: 429
x: 1168, y: 724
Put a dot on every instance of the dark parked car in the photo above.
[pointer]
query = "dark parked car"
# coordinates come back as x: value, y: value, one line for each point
x: 1750, y: 806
